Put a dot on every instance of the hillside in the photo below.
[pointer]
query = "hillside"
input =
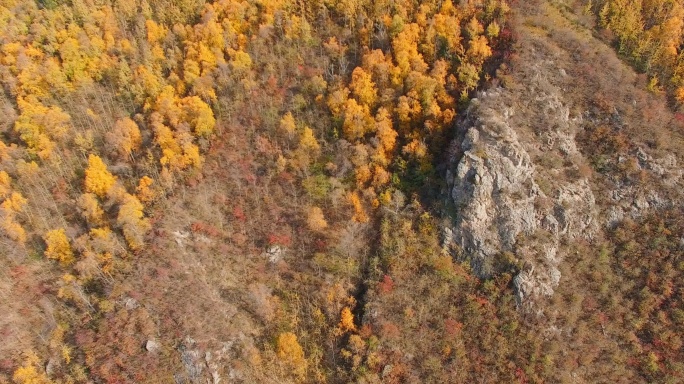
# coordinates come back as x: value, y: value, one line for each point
x: 340, y: 191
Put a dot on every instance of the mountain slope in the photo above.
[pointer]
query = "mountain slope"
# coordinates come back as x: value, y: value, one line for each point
x: 564, y: 190
x: 320, y: 227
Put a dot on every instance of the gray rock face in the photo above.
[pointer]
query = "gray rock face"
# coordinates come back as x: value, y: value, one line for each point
x: 203, y: 365
x: 191, y: 357
x: 517, y: 184
x: 506, y: 201
x: 632, y: 201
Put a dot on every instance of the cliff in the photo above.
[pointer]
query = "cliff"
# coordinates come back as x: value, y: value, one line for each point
x: 530, y: 175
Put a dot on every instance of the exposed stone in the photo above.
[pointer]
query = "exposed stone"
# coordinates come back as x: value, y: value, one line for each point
x: 152, y: 346
x: 131, y: 303
x: 51, y: 367
x: 180, y: 237
x: 274, y: 253
x: 501, y: 206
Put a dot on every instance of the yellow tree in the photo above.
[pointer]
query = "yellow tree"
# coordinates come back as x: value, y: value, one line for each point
x: 39, y: 125
x: 199, y: 115
x: 289, y: 351
x: 474, y: 28
x: 58, y: 247
x: 346, y: 321
x: 155, y: 32
x: 379, y: 66
x: 406, y: 53
x: 14, y: 203
x: 679, y: 94
x: 172, y: 153
x: 144, y: 191
x: 357, y: 120
x: 147, y: 82
x: 241, y: 62
x: 31, y: 372
x: 9, y: 208
x: 360, y: 215
x: 98, y: 179
x: 287, y: 124
x: 337, y: 100
x: 380, y: 176
x: 409, y: 107
x: 5, y: 151
x: 363, y: 175
x: 479, y: 50
x: 12, y: 228
x: 167, y: 106
x: 132, y: 221
x: 191, y: 71
x: 90, y: 209
x: 363, y: 88
x: 308, y: 142
x: 5, y: 184
x: 384, y: 132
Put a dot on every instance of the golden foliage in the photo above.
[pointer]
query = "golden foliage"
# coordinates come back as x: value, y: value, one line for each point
x: 132, y: 221
x: 385, y: 133
x: 39, y: 125
x: 10, y: 207
x: 90, y: 209
x: 155, y: 32
x: 360, y: 214
x: 31, y: 372
x: 406, y: 52
x: 308, y: 142
x: 5, y: 151
x: 337, y: 100
x: 679, y: 94
x: 199, y: 115
x: 362, y: 87
x: 172, y: 61
x: 98, y: 179
x: 479, y: 50
x: 380, y: 176
x: 58, y: 246
x: 287, y: 124
x: 346, y: 321
x: 493, y: 30
x: 357, y: 120
x: 14, y: 203
x: 649, y: 34
x: 144, y: 191
x: 289, y: 351
x: 5, y: 184
x: 362, y: 174
x: 241, y: 61
x: 178, y: 150
x: 474, y: 27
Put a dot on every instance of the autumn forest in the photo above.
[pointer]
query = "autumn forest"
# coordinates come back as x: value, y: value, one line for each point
x: 255, y: 191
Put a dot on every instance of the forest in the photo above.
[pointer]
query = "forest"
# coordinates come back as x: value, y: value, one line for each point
x: 252, y: 191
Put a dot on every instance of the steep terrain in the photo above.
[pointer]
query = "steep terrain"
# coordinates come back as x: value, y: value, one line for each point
x: 564, y: 191
x: 522, y: 180
x: 254, y: 191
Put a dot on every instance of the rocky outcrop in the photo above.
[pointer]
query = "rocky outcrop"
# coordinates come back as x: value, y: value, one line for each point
x: 516, y: 189
x: 631, y: 201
